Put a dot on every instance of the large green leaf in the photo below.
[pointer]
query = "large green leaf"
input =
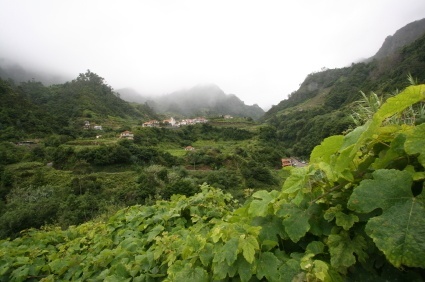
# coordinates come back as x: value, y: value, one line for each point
x: 342, y: 249
x: 415, y: 143
x: 248, y: 245
x: 394, y: 152
x: 189, y: 273
x: 315, y: 247
x: 387, y: 187
x: 296, y: 181
x: 295, y: 221
x: 206, y: 254
x: 352, y: 137
x: 244, y: 269
x: 289, y: 270
x: 221, y: 270
x: 392, y: 106
x: 326, y: 149
x: 267, y: 266
x: 400, y: 231
x: 260, y: 205
x: 228, y: 252
x: 344, y: 220
x: 398, y: 103
x: 155, y: 232
x: 271, y: 230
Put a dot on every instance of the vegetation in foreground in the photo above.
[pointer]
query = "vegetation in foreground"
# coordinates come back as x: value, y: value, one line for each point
x: 356, y: 213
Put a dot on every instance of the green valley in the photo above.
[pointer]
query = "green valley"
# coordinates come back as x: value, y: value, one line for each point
x: 325, y: 186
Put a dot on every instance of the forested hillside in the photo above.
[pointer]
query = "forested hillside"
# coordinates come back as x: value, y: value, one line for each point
x: 19, y: 117
x: 325, y: 100
x: 32, y: 110
x: 356, y: 213
x: 64, y: 161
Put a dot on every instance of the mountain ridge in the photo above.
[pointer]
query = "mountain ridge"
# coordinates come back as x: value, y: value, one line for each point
x: 322, y: 106
x: 202, y: 99
x: 31, y: 108
x: 400, y: 38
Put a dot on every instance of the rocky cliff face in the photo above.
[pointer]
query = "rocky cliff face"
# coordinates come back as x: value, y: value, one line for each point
x: 401, y: 37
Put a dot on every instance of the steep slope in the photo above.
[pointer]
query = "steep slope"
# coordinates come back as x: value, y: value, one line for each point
x: 31, y: 107
x: 323, y: 103
x: 401, y: 37
x: 89, y: 95
x: 20, y: 118
x: 206, y: 99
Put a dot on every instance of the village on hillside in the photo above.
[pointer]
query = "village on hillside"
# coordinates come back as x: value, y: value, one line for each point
x: 171, y: 122
x: 174, y: 123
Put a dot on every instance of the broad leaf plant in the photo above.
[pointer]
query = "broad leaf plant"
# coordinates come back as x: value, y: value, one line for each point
x: 355, y: 213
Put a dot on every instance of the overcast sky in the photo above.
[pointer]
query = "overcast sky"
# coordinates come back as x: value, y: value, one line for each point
x: 259, y: 50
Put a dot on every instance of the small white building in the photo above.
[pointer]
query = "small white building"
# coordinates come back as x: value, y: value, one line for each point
x: 127, y: 135
x: 151, y: 123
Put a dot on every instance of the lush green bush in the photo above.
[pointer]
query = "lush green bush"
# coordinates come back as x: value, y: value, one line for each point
x: 355, y: 213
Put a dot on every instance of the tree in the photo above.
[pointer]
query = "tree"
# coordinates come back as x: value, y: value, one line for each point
x: 350, y: 214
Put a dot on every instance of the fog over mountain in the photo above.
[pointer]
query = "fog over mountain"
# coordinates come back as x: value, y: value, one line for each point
x: 202, y: 99
x: 19, y: 73
x: 259, y: 51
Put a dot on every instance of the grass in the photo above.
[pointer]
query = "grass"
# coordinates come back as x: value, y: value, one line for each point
x: 24, y: 174
x: 224, y: 146
x: 25, y: 166
x: 176, y: 152
x: 309, y: 104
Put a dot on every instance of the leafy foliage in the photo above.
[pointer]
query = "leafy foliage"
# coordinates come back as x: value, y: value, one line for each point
x: 20, y: 118
x: 31, y: 109
x: 349, y: 215
x: 322, y: 106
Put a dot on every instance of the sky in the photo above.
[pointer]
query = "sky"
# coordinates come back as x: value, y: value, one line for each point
x: 261, y: 51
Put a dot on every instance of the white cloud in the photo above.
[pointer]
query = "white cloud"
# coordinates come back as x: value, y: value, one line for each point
x: 259, y: 51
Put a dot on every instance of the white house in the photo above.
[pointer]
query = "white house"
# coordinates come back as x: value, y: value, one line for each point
x: 151, y: 123
x: 127, y: 135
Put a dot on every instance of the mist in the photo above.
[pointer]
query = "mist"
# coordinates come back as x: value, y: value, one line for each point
x: 260, y: 52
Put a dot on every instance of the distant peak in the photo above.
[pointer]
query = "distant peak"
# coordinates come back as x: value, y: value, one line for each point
x: 401, y: 37
x: 211, y: 86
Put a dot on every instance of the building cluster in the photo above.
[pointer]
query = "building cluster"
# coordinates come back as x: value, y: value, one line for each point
x: 87, y: 125
x: 174, y: 123
x: 152, y: 123
x: 292, y: 162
